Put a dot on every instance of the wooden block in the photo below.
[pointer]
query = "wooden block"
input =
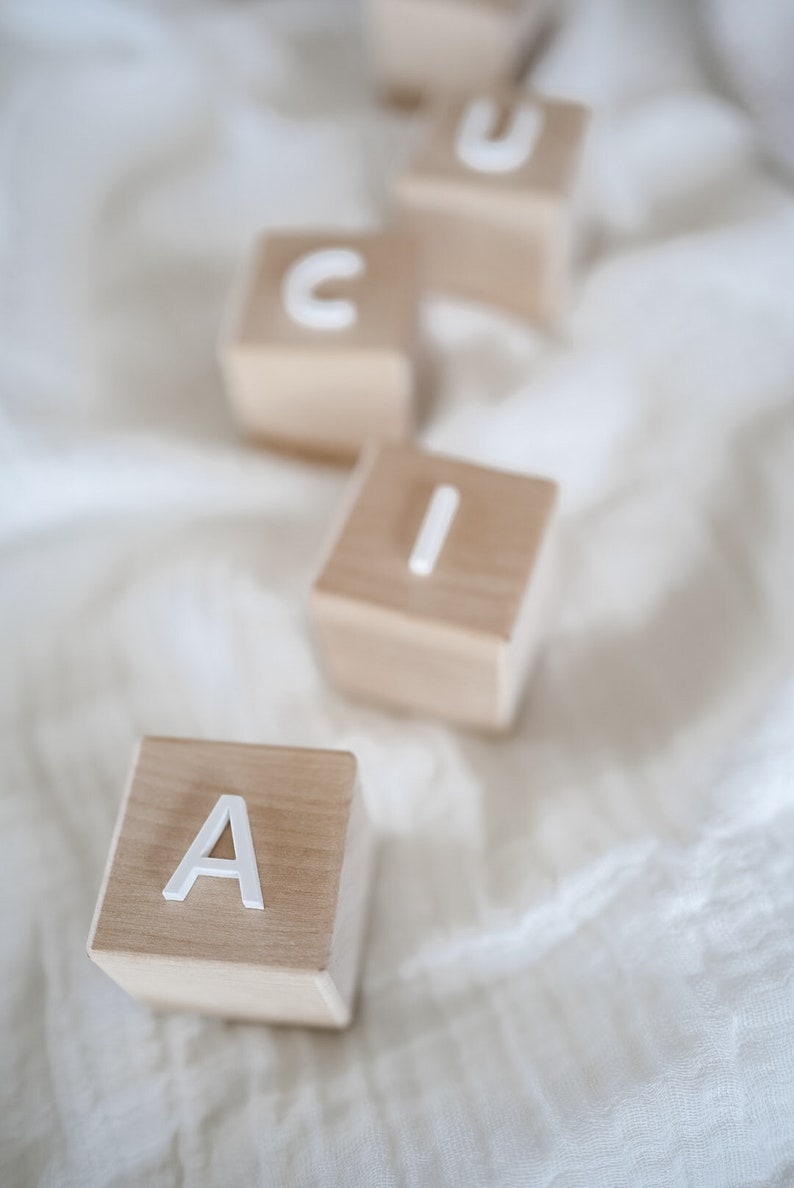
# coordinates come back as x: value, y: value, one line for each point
x: 423, y: 48
x: 433, y: 592
x: 299, y: 835
x: 490, y: 197
x: 319, y: 353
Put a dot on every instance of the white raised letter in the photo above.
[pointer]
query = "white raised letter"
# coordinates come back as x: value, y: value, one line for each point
x: 303, y: 278
x: 478, y: 149
x: 197, y: 862
x: 434, y: 530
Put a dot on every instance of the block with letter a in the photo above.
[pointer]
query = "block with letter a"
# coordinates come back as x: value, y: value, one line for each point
x: 434, y: 591
x: 422, y: 48
x: 319, y: 350
x: 238, y: 882
x: 491, y: 198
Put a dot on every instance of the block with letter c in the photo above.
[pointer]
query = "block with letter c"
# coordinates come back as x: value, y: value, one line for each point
x: 319, y: 351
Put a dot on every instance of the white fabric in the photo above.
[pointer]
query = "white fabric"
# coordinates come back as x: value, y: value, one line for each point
x: 580, y: 964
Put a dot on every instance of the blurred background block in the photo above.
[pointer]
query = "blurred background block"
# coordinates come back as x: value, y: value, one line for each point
x: 425, y: 48
x: 490, y: 198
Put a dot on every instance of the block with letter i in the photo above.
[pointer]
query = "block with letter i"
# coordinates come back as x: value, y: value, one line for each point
x: 237, y: 883
x: 433, y: 594
x: 491, y: 197
x: 319, y: 352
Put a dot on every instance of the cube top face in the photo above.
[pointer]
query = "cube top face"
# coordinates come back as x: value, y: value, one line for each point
x: 488, y: 554
x: 370, y: 280
x: 546, y: 137
x: 298, y: 804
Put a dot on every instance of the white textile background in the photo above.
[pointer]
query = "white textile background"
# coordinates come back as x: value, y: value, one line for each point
x: 579, y: 969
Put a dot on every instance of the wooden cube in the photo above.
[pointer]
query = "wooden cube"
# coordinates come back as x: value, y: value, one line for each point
x: 433, y: 593
x: 276, y: 937
x: 319, y: 351
x: 423, y: 48
x: 491, y: 197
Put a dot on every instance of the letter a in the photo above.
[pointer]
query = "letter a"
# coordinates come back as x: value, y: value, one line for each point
x: 481, y: 151
x: 304, y: 277
x: 231, y: 810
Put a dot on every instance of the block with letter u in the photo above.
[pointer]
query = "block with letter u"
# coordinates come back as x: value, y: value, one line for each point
x: 490, y: 196
x: 238, y: 881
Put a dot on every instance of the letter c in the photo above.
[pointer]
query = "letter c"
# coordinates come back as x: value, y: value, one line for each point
x: 304, y: 277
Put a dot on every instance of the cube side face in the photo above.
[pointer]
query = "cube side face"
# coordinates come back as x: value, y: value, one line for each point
x: 353, y: 911
x: 208, y: 951
x: 249, y: 993
x: 535, y: 612
x: 410, y: 664
x: 431, y: 47
x: 321, y: 403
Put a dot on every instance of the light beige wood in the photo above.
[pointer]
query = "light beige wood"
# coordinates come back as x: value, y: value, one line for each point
x: 457, y: 643
x: 422, y: 48
x: 319, y: 391
x: 500, y: 238
x: 297, y: 960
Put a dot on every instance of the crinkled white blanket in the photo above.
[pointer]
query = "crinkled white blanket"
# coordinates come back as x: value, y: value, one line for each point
x: 579, y: 970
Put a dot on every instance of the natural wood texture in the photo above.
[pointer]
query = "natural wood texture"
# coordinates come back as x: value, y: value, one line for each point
x: 321, y: 391
x: 422, y: 48
x: 297, y: 960
x: 457, y: 643
x: 500, y: 238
